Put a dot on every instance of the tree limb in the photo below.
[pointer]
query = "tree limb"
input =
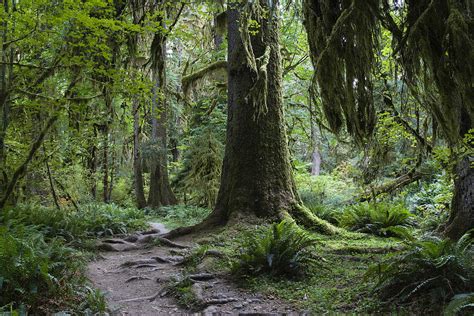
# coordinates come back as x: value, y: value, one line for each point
x: 22, y: 169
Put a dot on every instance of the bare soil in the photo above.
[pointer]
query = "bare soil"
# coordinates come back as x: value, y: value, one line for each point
x: 135, y: 280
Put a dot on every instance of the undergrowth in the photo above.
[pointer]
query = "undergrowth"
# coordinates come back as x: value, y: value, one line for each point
x: 42, y: 261
x: 179, y: 215
x: 381, y: 219
x: 281, y: 249
x: 432, y: 269
x: 91, y: 220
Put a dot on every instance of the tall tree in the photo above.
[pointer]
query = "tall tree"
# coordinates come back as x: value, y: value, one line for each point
x: 256, y: 177
x: 160, y: 190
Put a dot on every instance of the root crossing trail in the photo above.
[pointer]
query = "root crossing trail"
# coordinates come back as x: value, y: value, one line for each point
x: 135, y: 278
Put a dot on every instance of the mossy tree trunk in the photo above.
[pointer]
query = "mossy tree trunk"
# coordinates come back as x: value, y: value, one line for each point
x: 256, y: 176
x: 160, y: 190
x: 462, y: 207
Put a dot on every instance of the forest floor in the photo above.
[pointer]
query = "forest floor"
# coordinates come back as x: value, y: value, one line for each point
x: 145, y: 280
x: 191, y: 274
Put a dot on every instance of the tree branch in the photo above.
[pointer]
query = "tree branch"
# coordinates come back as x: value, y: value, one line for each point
x: 22, y: 169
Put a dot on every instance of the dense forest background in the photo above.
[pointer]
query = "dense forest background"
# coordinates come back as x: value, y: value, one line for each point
x: 345, y: 124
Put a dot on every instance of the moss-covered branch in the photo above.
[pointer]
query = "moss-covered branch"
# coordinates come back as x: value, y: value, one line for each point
x: 188, y: 80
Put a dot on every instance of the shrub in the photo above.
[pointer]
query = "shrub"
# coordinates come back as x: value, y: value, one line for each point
x: 281, y: 249
x: 433, y: 268
x: 380, y: 219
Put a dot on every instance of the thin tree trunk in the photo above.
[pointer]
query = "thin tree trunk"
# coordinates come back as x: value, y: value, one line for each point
x: 315, y: 143
x: 105, y: 167
x: 50, y: 178
x: 113, y: 170
x: 92, y: 164
x: 22, y: 169
x: 4, y: 96
x: 105, y: 156
x: 137, y: 160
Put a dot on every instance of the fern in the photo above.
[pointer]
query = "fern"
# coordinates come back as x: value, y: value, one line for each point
x: 433, y: 268
x: 380, y: 219
x: 281, y: 249
x: 459, y: 303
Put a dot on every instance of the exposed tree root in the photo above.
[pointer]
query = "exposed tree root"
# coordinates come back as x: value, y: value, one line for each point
x: 137, y: 278
x: 138, y: 262
x: 305, y: 218
x: 202, y: 302
x: 201, y: 277
x: 298, y: 213
x: 219, y: 301
x: 137, y: 241
x: 211, y: 222
x: 144, y: 298
x: 161, y: 259
x: 163, y: 240
x: 145, y: 266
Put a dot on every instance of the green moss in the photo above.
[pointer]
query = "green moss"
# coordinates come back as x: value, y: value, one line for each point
x: 338, y: 286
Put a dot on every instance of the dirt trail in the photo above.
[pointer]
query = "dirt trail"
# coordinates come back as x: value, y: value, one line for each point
x: 135, y: 278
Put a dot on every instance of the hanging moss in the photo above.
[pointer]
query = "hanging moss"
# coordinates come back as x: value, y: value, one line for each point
x: 201, y: 173
x: 252, y: 15
x: 438, y: 54
x: 342, y: 35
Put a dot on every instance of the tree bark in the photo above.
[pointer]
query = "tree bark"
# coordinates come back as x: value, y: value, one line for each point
x: 462, y: 207
x: 137, y: 160
x: 160, y: 190
x: 105, y: 152
x: 256, y: 177
x: 315, y: 145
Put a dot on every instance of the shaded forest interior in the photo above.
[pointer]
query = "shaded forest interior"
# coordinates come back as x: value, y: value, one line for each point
x: 264, y: 156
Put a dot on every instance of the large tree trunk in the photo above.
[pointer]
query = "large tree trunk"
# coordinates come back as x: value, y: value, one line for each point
x: 256, y: 177
x: 462, y: 207
x: 160, y: 189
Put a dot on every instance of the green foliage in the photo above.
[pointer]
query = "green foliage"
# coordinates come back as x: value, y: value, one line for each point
x: 325, y: 195
x: 431, y: 203
x: 381, y: 219
x: 179, y: 215
x: 460, y: 303
x: 281, y: 249
x: 180, y: 289
x: 92, y: 220
x: 200, y: 176
x: 41, y: 274
x: 432, y: 268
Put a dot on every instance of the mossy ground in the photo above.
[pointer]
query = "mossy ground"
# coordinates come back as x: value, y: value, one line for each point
x: 339, y: 287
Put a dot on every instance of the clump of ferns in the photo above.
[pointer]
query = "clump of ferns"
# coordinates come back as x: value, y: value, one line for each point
x: 461, y: 303
x: 434, y: 269
x: 281, y: 249
x: 380, y: 219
